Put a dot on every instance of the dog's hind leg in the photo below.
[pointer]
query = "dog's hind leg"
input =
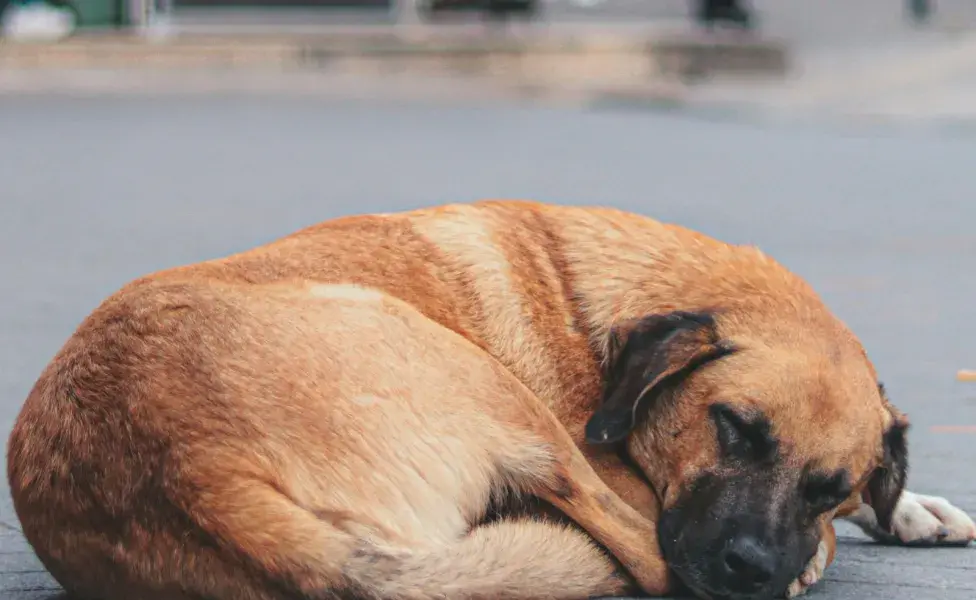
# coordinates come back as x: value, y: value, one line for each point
x: 310, y: 556
x: 506, y: 559
x: 300, y: 554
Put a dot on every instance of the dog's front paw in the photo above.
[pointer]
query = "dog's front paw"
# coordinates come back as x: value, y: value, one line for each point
x: 931, y: 520
x: 811, y: 574
x: 919, y: 520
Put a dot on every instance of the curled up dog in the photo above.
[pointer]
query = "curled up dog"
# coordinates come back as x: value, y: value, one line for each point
x: 492, y: 400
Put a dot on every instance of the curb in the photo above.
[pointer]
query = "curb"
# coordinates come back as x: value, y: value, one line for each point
x: 397, y: 88
x: 536, y: 62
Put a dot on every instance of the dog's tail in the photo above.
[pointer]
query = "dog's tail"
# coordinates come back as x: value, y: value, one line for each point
x: 506, y: 559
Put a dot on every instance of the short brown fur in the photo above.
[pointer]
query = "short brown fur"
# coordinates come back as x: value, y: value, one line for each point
x: 332, y: 414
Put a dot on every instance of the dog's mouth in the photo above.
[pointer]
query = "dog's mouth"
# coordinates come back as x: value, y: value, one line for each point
x: 689, y: 588
x: 700, y: 568
x: 705, y: 594
x: 690, y: 584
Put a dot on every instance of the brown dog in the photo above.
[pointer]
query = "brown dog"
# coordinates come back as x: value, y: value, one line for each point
x: 357, y: 409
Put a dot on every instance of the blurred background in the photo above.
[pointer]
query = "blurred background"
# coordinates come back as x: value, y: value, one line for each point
x: 838, y: 135
x: 866, y: 60
x: 869, y: 59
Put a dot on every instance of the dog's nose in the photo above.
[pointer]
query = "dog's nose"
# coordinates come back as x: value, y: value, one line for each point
x: 748, y: 565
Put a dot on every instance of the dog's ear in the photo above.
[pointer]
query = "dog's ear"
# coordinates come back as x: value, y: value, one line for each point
x: 887, y: 482
x: 642, y: 355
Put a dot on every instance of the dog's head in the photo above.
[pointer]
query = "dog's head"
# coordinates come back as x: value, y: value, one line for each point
x: 751, y: 442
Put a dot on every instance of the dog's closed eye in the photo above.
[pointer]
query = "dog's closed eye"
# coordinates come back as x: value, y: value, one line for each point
x: 743, y: 438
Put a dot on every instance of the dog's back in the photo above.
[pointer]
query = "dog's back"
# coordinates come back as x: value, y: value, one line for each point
x: 204, y: 424
x: 290, y: 440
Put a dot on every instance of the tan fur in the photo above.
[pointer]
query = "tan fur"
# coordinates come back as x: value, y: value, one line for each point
x: 333, y: 413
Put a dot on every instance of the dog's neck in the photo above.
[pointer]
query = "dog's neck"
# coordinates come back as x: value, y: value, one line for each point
x: 539, y: 287
x: 553, y: 282
x: 626, y: 266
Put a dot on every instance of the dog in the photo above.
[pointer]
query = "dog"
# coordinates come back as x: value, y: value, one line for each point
x: 497, y: 399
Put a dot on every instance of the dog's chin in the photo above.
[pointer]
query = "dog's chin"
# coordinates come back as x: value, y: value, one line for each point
x: 706, y: 594
x: 690, y: 584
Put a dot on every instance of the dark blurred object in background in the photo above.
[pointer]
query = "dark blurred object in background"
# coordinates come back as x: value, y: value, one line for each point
x: 920, y: 10
x: 493, y: 9
x: 503, y: 9
x: 730, y: 12
x: 363, y: 4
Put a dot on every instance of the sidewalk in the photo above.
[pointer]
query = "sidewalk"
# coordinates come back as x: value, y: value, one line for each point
x: 535, y: 59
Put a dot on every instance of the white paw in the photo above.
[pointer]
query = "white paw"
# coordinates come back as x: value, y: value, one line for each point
x: 919, y: 521
x: 811, y: 575
x: 930, y: 520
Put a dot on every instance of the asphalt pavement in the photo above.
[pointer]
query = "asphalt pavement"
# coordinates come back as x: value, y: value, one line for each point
x: 95, y: 192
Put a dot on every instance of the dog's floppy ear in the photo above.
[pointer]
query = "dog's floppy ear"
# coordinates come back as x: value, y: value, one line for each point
x: 641, y: 356
x: 887, y: 482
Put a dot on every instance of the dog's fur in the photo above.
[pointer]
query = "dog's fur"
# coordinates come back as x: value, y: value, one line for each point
x: 354, y: 411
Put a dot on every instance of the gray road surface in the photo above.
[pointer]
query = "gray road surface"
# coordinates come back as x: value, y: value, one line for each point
x: 96, y: 192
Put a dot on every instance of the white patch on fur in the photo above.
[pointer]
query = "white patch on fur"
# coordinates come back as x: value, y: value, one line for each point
x: 345, y: 291
x: 811, y: 575
x: 367, y: 400
x: 919, y: 519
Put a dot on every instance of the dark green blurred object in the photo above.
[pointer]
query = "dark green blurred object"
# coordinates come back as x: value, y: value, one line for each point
x: 920, y: 10
x: 84, y: 13
x: 87, y: 13
x: 96, y: 13
x: 493, y: 8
